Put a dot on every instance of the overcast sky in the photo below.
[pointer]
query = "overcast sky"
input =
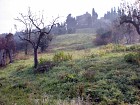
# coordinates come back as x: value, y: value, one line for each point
x: 10, y: 9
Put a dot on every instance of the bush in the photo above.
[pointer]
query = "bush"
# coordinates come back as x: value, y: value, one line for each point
x: 45, y: 66
x: 42, y: 61
x: 61, y: 56
x: 132, y: 57
x: 104, y: 37
x: 129, y: 57
x: 98, y: 41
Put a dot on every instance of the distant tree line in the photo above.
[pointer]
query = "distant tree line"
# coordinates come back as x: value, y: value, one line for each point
x: 71, y: 23
x: 86, y: 20
x: 83, y: 21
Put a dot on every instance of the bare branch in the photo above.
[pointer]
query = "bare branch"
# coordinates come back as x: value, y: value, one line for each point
x: 31, y: 21
x: 133, y: 23
x: 34, y: 23
x: 130, y: 14
x: 33, y: 44
x: 41, y: 21
x: 20, y: 20
x: 52, y: 25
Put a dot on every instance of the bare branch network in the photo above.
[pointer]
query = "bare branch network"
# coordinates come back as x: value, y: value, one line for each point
x: 34, y: 26
x: 130, y: 13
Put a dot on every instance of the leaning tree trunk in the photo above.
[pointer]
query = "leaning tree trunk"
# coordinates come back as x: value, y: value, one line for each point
x: 35, y: 58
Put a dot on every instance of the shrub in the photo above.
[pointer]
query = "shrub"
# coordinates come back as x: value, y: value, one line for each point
x: 42, y: 61
x: 104, y: 37
x: 132, y: 57
x: 61, y: 56
x: 44, y: 66
x: 98, y: 41
x: 129, y: 57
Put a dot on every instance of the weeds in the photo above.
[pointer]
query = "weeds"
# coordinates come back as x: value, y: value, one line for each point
x: 61, y: 56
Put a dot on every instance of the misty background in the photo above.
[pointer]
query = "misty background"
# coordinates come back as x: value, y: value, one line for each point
x: 10, y: 9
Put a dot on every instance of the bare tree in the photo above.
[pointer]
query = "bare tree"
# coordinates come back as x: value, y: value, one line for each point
x: 28, y: 27
x: 35, y: 25
x: 124, y: 33
x: 130, y: 13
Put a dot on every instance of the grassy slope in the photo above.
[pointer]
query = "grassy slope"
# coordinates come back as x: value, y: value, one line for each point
x: 72, y: 41
x: 107, y: 78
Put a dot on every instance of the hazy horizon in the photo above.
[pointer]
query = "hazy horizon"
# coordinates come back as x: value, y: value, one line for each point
x: 11, y: 9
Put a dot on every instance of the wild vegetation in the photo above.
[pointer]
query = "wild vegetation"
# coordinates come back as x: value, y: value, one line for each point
x: 83, y: 61
x: 103, y: 75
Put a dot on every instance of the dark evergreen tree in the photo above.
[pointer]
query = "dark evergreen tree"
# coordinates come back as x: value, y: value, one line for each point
x: 111, y: 15
x: 94, y: 16
x: 88, y: 20
x: 71, y: 24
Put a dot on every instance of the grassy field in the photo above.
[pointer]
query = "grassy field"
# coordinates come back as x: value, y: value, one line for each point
x: 94, y: 76
x: 72, y: 42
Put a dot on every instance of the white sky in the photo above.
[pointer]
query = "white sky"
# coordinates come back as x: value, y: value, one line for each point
x: 10, y: 9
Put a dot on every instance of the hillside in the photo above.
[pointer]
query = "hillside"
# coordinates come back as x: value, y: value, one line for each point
x: 72, y: 41
x: 94, y: 76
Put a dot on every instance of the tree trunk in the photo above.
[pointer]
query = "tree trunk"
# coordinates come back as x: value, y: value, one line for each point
x: 35, y: 58
x: 10, y: 55
x: 1, y: 57
x: 26, y: 48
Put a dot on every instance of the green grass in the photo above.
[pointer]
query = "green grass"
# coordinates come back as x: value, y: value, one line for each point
x: 72, y: 41
x: 96, y: 76
x: 86, y: 30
